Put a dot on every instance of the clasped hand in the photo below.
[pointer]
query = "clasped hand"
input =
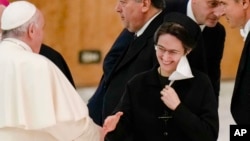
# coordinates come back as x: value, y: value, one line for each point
x: 170, y: 97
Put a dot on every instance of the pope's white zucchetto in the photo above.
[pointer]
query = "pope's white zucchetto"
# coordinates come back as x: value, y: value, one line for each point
x: 16, y: 14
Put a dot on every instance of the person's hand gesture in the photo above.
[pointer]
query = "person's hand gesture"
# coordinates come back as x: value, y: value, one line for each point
x: 170, y: 97
x: 111, y: 122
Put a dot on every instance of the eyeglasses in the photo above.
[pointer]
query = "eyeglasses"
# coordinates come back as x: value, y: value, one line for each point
x: 163, y: 50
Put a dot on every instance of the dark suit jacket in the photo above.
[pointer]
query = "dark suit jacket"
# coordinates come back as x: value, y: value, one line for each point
x: 114, y: 53
x: 208, y: 53
x: 139, y: 56
x: 58, y: 60
x: 240, y: 104
x: 195, y: 119
x: 96, y: 101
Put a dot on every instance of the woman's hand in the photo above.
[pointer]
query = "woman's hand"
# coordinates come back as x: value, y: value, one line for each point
x: 170, y: 97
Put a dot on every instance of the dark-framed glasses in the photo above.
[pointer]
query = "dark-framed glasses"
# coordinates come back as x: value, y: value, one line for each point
x: 161, y: 49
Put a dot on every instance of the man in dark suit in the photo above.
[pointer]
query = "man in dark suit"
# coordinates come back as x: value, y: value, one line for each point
x: 142, y: 18
x: 210, y: 48
x: 58, y: 60
x: 236, y: 12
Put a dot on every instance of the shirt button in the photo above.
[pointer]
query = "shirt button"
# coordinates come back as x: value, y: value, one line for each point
x: 165, y: 133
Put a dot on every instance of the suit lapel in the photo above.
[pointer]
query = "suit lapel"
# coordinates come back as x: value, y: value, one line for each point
x: 139, y: 43
x: 243, y: 58
x: 135, y: 48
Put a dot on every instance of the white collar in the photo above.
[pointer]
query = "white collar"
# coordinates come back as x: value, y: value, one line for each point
x: 140, y: 32
x: 18, y: 43
x: 244, y: 31
x: 190, y: 14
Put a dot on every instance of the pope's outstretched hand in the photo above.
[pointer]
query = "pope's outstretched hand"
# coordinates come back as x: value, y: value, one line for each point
x: 111, y: 122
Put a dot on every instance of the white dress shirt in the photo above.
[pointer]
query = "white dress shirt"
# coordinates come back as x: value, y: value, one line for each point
x: 244, y: 31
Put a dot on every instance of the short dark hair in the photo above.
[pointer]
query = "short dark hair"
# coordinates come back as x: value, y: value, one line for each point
x: 182, y: 27
x: 179, y: 32
x: 160, y: 4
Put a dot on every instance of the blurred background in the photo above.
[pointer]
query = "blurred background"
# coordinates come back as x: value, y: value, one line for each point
x: 84, y: 30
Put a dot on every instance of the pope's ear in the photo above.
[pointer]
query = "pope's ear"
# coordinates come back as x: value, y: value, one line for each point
x: 31, y: 30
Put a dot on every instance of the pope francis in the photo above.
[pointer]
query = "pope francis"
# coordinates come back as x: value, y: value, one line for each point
x: 37, y: 102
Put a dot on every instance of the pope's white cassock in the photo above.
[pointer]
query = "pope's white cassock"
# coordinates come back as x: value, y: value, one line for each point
x: 37, y: 103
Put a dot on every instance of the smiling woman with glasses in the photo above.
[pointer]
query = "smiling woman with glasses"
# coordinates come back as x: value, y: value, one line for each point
x: 154, y: 110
